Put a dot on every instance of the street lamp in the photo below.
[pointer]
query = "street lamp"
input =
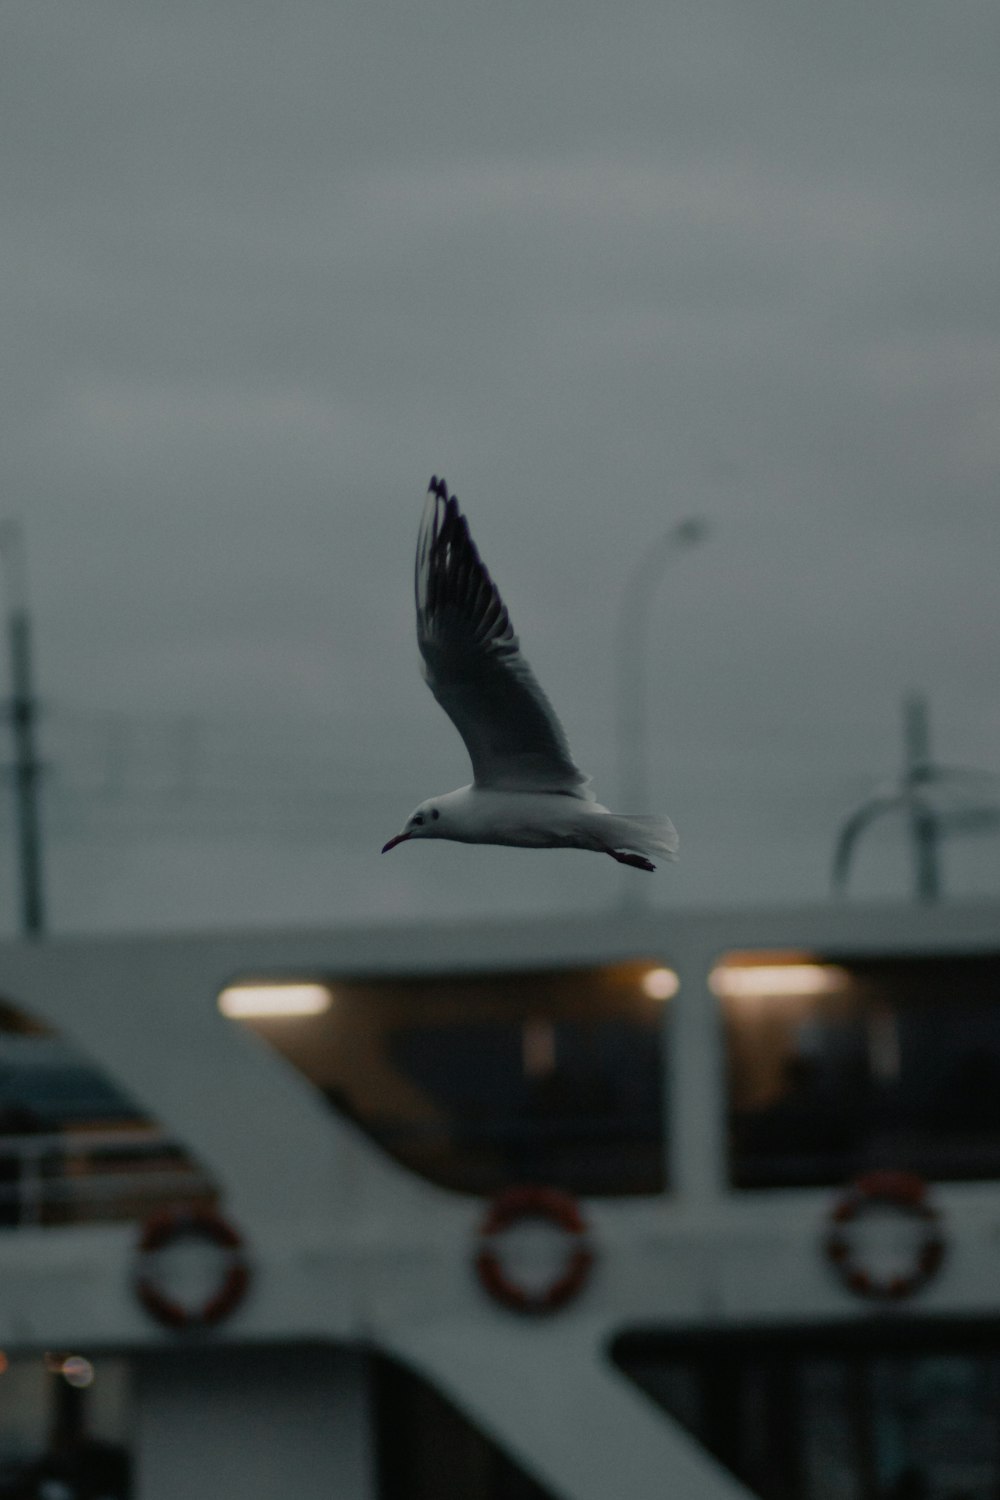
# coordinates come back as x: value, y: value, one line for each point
x: 631, y: 658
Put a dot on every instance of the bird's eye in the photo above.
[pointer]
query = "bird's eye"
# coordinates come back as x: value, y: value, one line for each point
x: 435, y: 813
x: 418, y: 818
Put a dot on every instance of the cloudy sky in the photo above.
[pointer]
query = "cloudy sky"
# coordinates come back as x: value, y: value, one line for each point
x: 265, y: 268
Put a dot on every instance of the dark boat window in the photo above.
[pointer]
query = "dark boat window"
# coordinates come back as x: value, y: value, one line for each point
x: 872, y: 1411
x: 480, y: 1080
x: 839, y: 1065
x: 74, y: 1147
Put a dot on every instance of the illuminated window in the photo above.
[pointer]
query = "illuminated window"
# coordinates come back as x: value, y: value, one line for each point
x: 481, y: 1080
x: 839, y: 1065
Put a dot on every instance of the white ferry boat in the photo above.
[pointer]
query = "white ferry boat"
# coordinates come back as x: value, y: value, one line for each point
x: 704, y: 1206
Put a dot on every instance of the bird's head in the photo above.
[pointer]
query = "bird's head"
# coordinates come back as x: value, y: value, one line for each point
x: 427, y: 822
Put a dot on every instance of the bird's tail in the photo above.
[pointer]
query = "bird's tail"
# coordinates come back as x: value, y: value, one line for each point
x: 644, y: 835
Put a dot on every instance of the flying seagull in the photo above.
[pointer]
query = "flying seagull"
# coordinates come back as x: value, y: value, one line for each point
x: 526, y: 790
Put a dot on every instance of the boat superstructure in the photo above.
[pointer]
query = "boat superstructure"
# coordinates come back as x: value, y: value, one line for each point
x: 698, y: 1204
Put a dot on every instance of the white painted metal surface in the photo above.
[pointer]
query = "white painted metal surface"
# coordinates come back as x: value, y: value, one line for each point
x: 352, y: 1251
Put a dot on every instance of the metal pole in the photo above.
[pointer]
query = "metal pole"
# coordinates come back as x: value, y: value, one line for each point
x: 928, y: 821
x: 631, y: 654
x: 27, y: 767
x: 924, y: 829
x: 631, y: 661
x: 924, y: 833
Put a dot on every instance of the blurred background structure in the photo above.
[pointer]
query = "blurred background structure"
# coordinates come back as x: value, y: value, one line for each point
x: 937, y: 802
x: 532, y: 1204
x: 25, y: 768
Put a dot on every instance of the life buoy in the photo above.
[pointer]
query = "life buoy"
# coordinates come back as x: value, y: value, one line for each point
x: 530, y: 1202
x: 906, y: 1193
x: 173, y: 1224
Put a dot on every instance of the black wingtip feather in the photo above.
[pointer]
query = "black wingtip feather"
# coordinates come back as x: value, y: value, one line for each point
x: 456, y: 575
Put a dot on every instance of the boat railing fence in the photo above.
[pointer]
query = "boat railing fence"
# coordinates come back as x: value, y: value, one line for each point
x: 80, y: 1175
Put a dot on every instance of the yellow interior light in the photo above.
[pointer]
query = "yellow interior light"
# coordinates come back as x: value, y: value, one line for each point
x: 745, y: 981
x: 243, y: 1001
x: 660, y: 984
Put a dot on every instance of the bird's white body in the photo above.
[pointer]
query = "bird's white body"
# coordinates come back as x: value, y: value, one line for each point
x: 528, y: 820
x: 539, y: 820
x: 528, y: 791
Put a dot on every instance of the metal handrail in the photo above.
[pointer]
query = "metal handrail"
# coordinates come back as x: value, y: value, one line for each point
x: 46, y: 1173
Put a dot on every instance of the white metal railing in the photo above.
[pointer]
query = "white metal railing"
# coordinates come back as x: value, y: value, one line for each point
x: 88, y: 1176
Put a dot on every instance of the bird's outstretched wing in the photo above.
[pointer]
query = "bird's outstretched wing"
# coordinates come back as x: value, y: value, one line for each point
x: 474, y: 667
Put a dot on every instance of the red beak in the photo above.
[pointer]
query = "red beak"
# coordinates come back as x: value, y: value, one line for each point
x: 399, y: 839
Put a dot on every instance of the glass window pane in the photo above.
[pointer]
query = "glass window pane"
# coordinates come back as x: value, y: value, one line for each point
x: 839, y: 1065
x: 481, y: 1080
x: 901, y: 1412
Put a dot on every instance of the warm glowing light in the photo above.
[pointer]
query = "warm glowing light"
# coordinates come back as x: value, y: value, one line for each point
x: 660, y: 984
x: 538, y: 1047
x: 77, y: 1371
x: 240, y: 1001
x: 74, y: 1369
x: 746, y: 981
x: 4, y: 1362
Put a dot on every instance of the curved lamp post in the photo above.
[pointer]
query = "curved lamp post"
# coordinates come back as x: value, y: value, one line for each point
x: 632, y: 659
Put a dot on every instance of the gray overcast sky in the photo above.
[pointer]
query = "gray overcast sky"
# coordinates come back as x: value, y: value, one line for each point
x: 265, y: 268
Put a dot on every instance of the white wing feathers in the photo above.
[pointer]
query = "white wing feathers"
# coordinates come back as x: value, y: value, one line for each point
x: 473, y: 664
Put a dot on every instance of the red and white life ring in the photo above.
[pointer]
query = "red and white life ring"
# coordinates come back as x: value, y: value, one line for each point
x: 531, y: 1202
x: 173, y: 1224
x: 906, y: 1193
